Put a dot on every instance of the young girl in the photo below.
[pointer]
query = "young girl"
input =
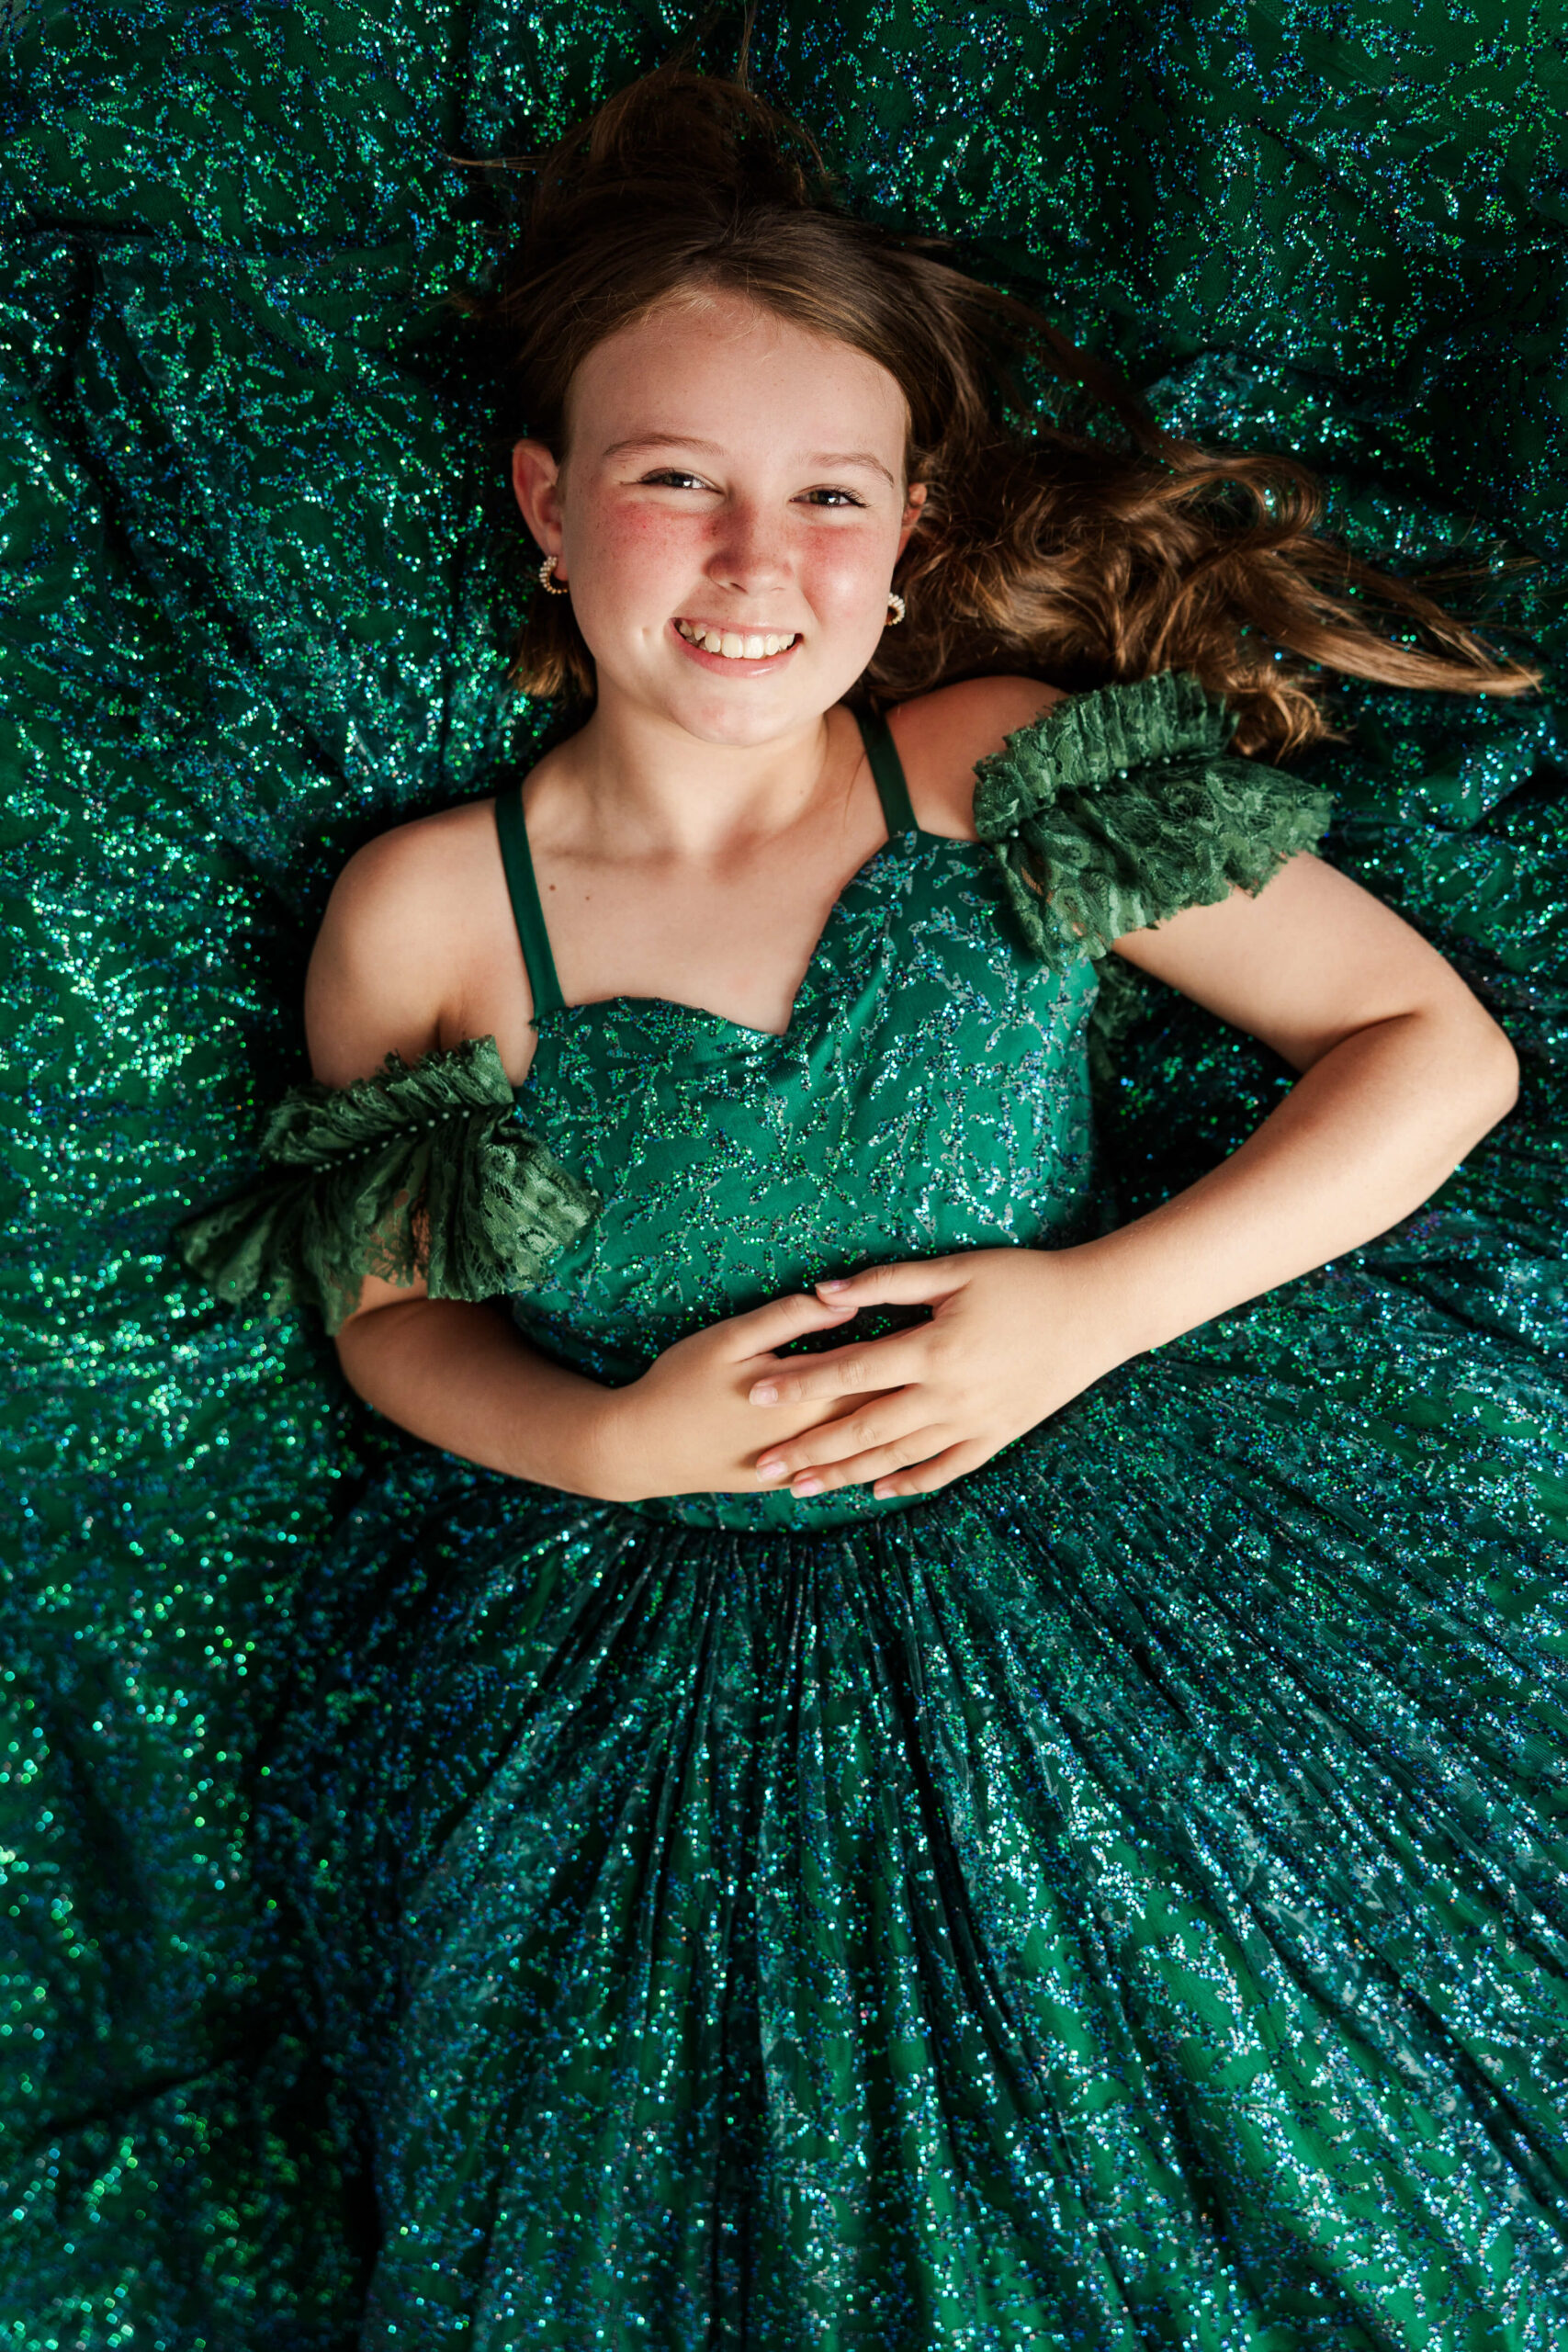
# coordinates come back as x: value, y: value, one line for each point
x: 934, y: 1817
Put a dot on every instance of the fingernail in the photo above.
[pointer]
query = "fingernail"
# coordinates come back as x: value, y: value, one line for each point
x: 764, y: 1393
x: 842, y: 1284
x: 807, y: 1486
x: 770, y: 1469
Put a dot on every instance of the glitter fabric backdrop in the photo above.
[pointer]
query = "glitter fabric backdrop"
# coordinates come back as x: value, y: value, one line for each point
x: 252, y: 614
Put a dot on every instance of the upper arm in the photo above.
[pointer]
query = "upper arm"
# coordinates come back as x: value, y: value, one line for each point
x: 380, y: 977
x: 399, y: 963
x: 374, y: 987
x: 1308, y: 961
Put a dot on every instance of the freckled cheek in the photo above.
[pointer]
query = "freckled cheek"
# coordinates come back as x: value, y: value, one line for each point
x: 631, y: 566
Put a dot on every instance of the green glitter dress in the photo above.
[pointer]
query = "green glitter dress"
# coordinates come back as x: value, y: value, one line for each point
x: 1119, y: 1899
x: 1120, y: 1902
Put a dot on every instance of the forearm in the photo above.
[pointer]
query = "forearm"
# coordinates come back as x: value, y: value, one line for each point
x: 464, y: 1378
x: 1364, y: 1137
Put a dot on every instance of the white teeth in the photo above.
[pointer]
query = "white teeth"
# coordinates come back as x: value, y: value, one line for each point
x: 732, y: 644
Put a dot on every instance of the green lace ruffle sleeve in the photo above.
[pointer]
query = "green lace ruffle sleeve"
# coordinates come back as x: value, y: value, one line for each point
x: 1122, y: 806
x: 424, y: 1169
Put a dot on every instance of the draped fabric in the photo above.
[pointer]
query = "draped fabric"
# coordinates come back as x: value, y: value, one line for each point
x: 253, y: 613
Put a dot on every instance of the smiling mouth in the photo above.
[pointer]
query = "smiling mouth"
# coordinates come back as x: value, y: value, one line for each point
x: 737, y: 645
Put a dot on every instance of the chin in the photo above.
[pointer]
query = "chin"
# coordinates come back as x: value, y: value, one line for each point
x: 745, y: 725
x: 754, y: 711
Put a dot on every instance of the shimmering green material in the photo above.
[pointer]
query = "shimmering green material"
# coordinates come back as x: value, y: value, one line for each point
x: 1135, y: 1882
x: 1120, y: 808
x: 423, y: 1170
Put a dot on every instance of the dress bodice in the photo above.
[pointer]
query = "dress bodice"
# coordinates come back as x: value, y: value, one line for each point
x: 929, y: 1094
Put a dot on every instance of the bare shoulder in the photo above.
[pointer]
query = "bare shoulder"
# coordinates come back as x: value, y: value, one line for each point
x: 941, y: 735
x: 411, y: 871
x: 413, y: 923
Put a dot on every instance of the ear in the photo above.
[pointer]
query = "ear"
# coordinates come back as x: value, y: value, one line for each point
x: 914, y: 502
x: 536, y: 485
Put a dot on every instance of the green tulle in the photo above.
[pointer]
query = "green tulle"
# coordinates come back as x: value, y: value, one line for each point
x: 420, y: 1170
x: 1120, y: 808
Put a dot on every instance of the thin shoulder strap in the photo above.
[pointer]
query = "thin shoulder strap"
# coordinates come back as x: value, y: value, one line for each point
x: 527, y: 913
x: 887, y: 769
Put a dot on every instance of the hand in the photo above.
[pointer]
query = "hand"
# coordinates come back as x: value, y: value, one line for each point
x: 686, y: 1426
x: 1014, y: 1335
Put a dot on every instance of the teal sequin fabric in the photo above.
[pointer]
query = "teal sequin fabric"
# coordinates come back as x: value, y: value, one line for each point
x: 1121, y: 1902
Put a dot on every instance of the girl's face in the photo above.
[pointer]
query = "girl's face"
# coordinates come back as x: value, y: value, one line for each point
x: 731, y: 483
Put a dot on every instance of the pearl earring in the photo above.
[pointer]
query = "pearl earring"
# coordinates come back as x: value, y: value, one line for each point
x: 547, y: 584
x: 896, y: 609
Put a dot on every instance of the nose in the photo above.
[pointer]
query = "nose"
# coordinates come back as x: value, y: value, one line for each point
x: 749, y: 552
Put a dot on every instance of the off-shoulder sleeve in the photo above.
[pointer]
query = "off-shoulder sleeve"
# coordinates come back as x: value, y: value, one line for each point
x: 1120, y: 808
x: 424, y: 1169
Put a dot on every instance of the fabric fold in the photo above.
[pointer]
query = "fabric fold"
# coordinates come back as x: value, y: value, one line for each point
x: 1120, y: 807
x: 424, y: 1168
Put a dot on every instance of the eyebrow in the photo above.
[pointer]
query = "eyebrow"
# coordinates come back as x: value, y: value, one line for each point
x: 829, y: 458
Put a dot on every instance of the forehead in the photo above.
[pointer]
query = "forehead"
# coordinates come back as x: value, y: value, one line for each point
x: 716, y: 359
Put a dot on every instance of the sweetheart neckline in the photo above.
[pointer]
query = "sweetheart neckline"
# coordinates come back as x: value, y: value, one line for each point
x: 912, y: 836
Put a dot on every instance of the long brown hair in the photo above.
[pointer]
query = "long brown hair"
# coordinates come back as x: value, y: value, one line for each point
x: 1044, y: 548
